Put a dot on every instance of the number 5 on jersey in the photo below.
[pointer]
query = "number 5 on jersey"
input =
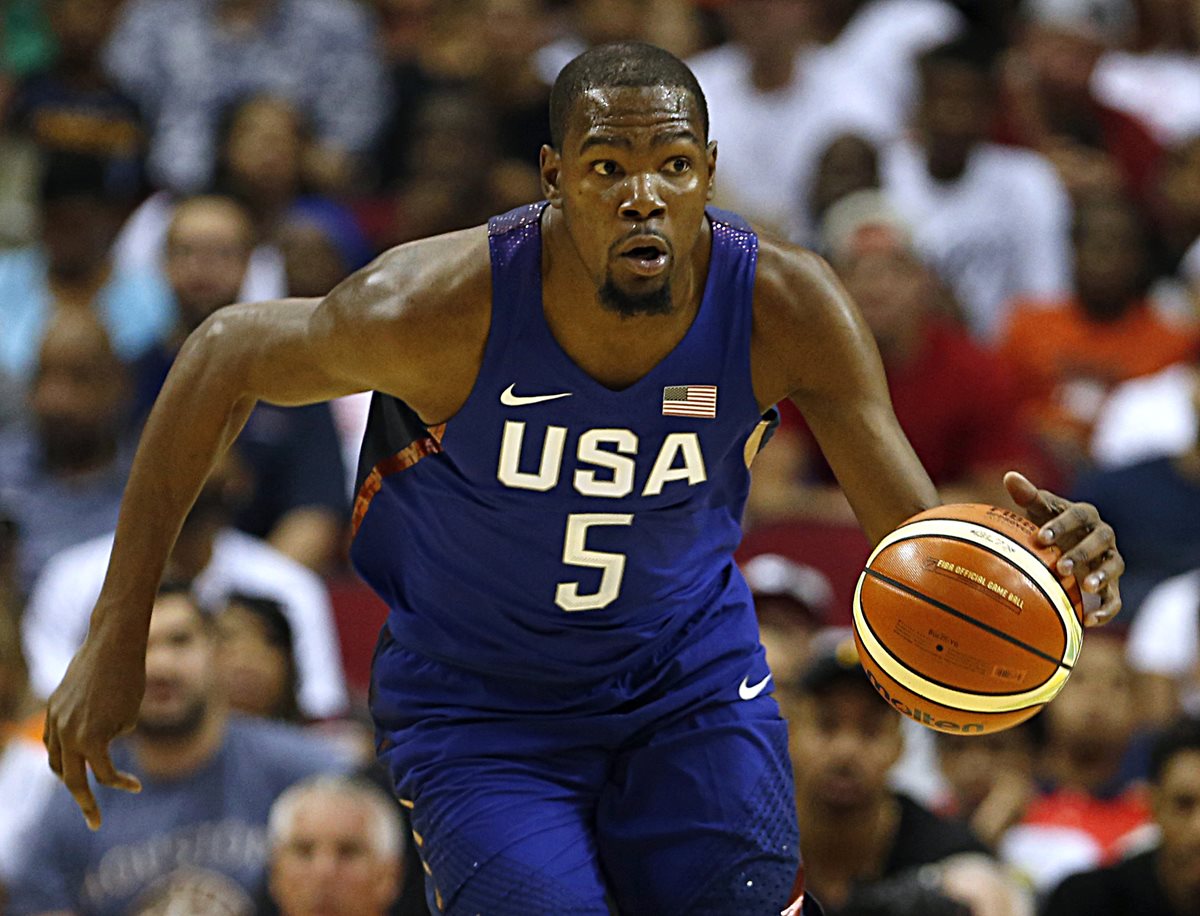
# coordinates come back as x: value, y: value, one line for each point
x: 576, y: 553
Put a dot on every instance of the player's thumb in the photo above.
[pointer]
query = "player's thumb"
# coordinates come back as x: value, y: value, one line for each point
x: 1020, y: 488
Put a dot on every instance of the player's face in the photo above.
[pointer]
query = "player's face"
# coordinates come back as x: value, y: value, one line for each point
x: 1177, y: 811
x: 179, y: 670
x: 327, y: 865
x: 843, y: 743
x: 632, y: 181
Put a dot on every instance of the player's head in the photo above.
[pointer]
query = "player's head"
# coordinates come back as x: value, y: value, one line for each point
x: 958, y: 95
x: 180, y: 669
x: 844, y: 739
x: 1175, y: 796
x: 208, y: 251
x: 335, y: 849
x: 631, y: 169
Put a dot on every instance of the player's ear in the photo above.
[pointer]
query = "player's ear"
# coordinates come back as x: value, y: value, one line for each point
x: 710, y: 154
x: 550, y: 167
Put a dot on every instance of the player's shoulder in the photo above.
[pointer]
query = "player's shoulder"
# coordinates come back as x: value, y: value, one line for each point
x: 793, y: 285
x: 432, y: 285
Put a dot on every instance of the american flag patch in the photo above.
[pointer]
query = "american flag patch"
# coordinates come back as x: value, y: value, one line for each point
x: 690, y: 401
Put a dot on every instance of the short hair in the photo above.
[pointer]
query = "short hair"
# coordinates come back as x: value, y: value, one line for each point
x: 1180, y: 738
x: 632, y: 64
x: 384, y: 826
x: 969, y: 52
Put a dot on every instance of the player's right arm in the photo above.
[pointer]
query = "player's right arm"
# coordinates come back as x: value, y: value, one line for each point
x: 412, y: 324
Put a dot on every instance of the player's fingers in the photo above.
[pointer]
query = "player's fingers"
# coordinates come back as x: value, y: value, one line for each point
x: 1071, y: 523
x: 1109, y: 608
x: 1094, y: 549
x: 75, y: 777
x: 53, y: 748
x: 1040, y: 505
x: 109, y: 775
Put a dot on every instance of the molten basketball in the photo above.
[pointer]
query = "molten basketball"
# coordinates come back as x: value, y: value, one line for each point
x: 961, y: 621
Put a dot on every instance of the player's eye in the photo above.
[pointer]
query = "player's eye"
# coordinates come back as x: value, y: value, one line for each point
x: 679, y: 165
x: 605, y: 167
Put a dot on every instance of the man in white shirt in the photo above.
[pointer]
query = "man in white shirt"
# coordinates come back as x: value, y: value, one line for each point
x: 994, y: 221
x: 217, y: 561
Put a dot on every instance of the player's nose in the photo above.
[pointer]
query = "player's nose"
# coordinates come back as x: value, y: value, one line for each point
x: 642, y: 199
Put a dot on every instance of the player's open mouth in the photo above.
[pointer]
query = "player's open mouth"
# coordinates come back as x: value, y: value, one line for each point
x: 647, y: 256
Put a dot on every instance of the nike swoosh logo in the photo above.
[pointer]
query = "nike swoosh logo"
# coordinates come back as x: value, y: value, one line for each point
x: 508, y: 399
x: 747, y: 692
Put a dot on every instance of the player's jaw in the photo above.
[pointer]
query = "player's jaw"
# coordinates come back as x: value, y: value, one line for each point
x: 638, y: 278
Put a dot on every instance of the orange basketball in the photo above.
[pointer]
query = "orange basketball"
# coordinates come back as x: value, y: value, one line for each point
x: 961, y: 621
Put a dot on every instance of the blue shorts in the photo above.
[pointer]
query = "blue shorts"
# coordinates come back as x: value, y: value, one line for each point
x: 661, y: 792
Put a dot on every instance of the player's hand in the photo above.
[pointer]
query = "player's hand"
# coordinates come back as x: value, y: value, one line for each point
x: 1089, y: 547
x: 98, y: 700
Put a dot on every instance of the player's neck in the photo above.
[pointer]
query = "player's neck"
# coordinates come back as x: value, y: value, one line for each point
x: 178, y: 757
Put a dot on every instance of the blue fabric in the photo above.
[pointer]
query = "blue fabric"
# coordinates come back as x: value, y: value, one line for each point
x: 53, y: 512
x: 660, y: 789
x: 208, y: 828
x: 558, y: 756
x: 1154, y: 510
x: 137, y: 310
x: 476, y: 569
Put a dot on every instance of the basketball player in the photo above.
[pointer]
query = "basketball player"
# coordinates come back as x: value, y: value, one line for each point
x: 569, y: 692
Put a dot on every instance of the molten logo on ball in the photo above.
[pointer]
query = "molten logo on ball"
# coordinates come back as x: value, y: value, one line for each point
x: 920, y: 715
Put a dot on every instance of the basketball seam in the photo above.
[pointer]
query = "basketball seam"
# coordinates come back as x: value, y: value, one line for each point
x: 951, y: 687
x: 966, y: 618
x: 982, y: 545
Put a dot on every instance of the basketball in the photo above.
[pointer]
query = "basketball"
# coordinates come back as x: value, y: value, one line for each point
x: 961, y: 622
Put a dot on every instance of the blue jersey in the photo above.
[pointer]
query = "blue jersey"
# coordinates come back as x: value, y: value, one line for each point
x: 554, y: 528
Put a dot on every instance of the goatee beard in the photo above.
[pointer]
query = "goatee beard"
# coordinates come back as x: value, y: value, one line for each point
x: 630, y: 305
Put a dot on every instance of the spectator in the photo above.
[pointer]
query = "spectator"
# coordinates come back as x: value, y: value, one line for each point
x: 849, y: 163
x: 25, y: 777
x: 853, y: 828
x: 320, y: 248
x: 198, y: 828
x: 336, y: 847
x: 1165, y: 880
x: 990, y: 778
x: 965, y: 444
x: 1164, y: 648
x: 1177, y: 217
x: 1159, y: 82
x: 263, y: 142
x: 880, y: 40
x: 1069, y: 353
x: 69, y: 269
x: 1092, y: 807
x: 62, y: 475
x: 256, y: 656
x: 217, y: 561
x: 297, y: 500
x: 185, y: 63
x: 72, y: 107
x: 18, y: 174
x: 792, y: 603
x: 1148, y: 417
x: 1051, y: 105
x: 1154, y: 504
x: 993, y: 221
x: 775, y: 105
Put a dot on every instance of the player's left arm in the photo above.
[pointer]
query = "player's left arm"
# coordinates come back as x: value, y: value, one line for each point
x: 811, y: 344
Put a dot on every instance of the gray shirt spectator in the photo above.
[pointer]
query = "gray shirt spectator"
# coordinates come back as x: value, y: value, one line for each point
x: 186, y: 61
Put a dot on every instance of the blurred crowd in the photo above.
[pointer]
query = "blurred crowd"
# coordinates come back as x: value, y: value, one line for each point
x: 1010, y: 190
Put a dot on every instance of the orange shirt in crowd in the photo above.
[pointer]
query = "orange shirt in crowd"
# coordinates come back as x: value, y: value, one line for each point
x: 1066, y: 364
